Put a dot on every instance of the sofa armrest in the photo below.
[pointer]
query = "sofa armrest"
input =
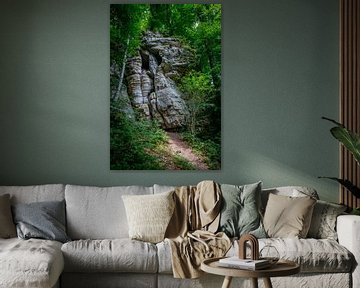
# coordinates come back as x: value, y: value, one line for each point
x: 348, y: 230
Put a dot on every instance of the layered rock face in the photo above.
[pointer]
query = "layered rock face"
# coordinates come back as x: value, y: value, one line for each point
x: 150, y: 78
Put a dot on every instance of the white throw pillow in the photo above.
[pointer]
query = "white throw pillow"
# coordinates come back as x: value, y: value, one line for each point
x: 149, y: 215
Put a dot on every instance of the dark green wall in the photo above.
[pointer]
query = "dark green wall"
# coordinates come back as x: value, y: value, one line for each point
x: 280, y: 75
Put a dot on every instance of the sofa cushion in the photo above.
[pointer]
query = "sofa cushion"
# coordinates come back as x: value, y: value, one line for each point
x: 240, y: 210
x: 149, y: 215
x: 43, y: 220
x: 287, y: 216
x: 164, y: 257
x: 30, y: 263
x: 116, y: 255
x: 35, y: 193
x: 291, y: 191
x: 163, y: 188
x: 98, y: 213
x: 323, y: 222
x: 313, y: 255
x: 7, y: 226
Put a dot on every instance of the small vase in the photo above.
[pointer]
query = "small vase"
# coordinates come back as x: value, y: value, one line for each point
x: 270, y: 253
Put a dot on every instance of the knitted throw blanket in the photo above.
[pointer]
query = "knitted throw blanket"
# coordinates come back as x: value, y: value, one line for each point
x: 191, y: 232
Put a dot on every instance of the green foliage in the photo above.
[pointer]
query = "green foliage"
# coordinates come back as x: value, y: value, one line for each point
x: 207, y: 40
x: 347, y: 184
x: 182, y: 164
x: 131, y: 142
x: 141, y: 145
x: 208, y: 148
x: 205, y: 37
x: 198, y: 92
x: 355, y: 211
x: 197, y: 24
x: 348, y: 138
x: 197, y: 84
x: 127, y: 22
x: 160, y: 20
x: 351, y: 141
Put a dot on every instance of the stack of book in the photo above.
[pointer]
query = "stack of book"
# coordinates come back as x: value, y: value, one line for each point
x: 248, y: 264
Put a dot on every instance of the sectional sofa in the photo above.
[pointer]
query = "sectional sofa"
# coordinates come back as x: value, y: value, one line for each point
x: 100, y: 253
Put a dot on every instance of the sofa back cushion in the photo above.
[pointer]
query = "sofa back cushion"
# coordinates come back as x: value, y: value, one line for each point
x: 35, y: 193
x: 148, y: 216
x: 163, y: 188
x: 288, y: 217
x: 323, y: 221
x: 240, y: 210
x: 291, y: 191
x: 42, y: 220
x: 98, y: 212
x: 7, y: 226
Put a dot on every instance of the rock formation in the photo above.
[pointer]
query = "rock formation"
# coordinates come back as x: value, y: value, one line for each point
x: 151, y: 77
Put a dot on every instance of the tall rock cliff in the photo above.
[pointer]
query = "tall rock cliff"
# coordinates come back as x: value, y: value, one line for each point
x: 151, y: 78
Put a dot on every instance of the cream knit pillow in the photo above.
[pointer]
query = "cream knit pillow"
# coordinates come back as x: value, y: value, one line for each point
x: 149, y: 215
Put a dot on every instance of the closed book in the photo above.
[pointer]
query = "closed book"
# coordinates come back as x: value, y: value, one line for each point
x: 236, y: 262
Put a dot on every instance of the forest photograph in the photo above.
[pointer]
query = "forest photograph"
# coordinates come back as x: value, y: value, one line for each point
x: 165, y: 86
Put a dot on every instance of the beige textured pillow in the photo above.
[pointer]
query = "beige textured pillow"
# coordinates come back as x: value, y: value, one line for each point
x: 288, y: 217
x: 149, y: 215
x: 7, y: 226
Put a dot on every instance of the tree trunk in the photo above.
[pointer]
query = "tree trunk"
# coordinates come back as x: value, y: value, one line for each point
x: 122, y: 73
x: 214, y: 76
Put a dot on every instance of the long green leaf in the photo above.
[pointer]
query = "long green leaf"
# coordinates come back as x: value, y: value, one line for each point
x: 349, y: 139
x: 347, y: 184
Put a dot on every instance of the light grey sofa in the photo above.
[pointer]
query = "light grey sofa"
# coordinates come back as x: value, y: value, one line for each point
x: 101, y: 254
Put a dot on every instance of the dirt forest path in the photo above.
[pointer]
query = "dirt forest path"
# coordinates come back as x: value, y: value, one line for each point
x: 179, y: 147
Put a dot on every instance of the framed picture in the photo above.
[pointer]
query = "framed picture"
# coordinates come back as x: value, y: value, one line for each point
x: 165, y: 86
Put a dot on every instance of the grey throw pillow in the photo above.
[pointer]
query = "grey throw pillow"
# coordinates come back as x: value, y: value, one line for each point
x: 240, y: 213
x: 323, y: 222
x: 44, y: 220
x: 7, y: 226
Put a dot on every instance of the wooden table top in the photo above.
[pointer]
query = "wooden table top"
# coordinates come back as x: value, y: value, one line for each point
x: 281, y: 268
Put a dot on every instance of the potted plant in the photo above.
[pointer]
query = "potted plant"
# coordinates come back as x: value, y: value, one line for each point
x: 351, y: 141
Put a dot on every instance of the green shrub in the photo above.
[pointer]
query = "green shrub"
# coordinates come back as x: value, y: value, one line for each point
x: 131, y: 141
x: 208, y: 149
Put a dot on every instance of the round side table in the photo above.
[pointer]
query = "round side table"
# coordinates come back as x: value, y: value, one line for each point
x: 281, y: 268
